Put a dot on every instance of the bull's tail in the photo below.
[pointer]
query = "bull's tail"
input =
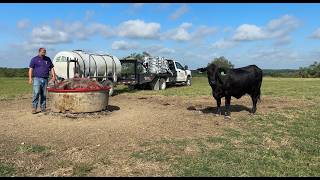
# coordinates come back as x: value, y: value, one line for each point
x: 256, y: 91
x: 259, y: 92
x: 258, y: 96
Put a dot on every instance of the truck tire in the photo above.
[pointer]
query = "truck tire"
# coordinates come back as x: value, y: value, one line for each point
x: 155, y: 84
x: 131, y: 87
x: 162, y: 84
x: 110, y: 84
x: 188, y: 81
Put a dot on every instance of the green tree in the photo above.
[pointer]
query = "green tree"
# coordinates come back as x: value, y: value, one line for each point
x: 138, y: 55
x: 312, y: 71
x: 222, y: 62
x: 146, y: 53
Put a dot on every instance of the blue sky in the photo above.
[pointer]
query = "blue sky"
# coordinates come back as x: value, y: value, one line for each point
x: 269, y: 35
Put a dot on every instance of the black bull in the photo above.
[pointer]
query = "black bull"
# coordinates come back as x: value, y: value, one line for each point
x: 236, y: 82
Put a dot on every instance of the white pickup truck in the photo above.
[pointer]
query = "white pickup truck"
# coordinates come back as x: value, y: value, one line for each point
x: 135, y: 74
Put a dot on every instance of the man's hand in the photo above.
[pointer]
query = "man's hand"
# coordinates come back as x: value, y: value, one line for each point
x: 53, y: 74
x: 30, y: 75
x: 52, y: 80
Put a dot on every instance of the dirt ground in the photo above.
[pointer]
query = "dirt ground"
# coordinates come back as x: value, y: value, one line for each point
x: 106, y: 140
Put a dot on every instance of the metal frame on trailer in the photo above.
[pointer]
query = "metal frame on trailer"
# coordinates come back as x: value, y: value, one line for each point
x: 106, y: 74
x: 68, y: 67
x: 90, y: 68
x: 84, y: 64
x: 75, y: 64
x: 114, y: 67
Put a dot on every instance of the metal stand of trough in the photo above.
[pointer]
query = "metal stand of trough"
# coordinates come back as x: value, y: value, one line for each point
x: 79, y: 100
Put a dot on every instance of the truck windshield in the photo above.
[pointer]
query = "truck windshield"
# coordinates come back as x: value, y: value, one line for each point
x: 179, y: 66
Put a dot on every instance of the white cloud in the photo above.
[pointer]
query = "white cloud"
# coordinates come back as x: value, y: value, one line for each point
x: 282, y: 24
x: 64, y: 32
x: 278, y: 29
x: 105, y: 30
x: 182, y: 34
x: 277, y: 57
x: 84, y: 31
x: 166, y: 51
x: 186, y: 25
x: 45, y: 34
x: 227, y: 29
x: 24, y: 52
x: 138, y: 29
x: 89, y: 14
x: 23, y: 24
x: 159, y: 50
x: 203, y: 31
x: 248, y: 32
x: 105, y: 4
x: 137, y: 5
x: 223, y: 44
x: 281, y: 28
x: 75, y: 30
x: 179, y: 12
x: 316, y: 34
x: 27, y: 48
x: 164, y: 5
x: 274, y: 54
x: 195, y: 59
x: 122, y: 45
x: 283, y: 40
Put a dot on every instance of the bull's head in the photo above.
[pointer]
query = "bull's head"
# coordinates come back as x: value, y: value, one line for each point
x: 213, y: 75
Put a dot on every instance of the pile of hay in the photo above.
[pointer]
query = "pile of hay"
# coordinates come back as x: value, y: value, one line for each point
x: 77, y: 83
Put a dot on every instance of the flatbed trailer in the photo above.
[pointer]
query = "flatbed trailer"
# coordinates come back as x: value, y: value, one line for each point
x: 134, y: 74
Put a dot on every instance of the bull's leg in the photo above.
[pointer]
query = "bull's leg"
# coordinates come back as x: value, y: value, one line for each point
x: 254, y: 104
x: 218, y: 111
x: 227, y: 104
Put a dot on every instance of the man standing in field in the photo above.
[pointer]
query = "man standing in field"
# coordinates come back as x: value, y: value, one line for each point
x: 39, y: 67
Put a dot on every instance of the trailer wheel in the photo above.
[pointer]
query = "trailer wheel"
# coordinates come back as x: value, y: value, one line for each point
x: 131, y: 87
x: 155, y: 84
x: 110, y: 84
x: 162, y: 84
x: 188, y: 82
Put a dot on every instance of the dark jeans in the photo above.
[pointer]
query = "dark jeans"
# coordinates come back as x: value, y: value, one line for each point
x: 39, y: 89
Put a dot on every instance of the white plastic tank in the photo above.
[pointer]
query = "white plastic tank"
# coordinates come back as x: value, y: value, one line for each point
x: 86, y: 64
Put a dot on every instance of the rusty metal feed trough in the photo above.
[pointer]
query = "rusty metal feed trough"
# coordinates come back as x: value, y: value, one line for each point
x: 79, y: 95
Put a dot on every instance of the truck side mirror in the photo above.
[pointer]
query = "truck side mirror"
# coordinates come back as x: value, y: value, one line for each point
x: 186, y: 67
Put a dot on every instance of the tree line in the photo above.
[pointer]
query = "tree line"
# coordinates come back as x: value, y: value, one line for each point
x: 13, y: 72
x: 312, y: 71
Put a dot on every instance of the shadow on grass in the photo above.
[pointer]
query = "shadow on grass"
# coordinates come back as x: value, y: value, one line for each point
x: 123, y: 90
x: 141, y: 87
x: 208, y: 110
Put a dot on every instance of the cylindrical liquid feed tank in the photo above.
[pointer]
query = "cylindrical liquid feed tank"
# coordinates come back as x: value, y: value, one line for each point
x: 86, y: 64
